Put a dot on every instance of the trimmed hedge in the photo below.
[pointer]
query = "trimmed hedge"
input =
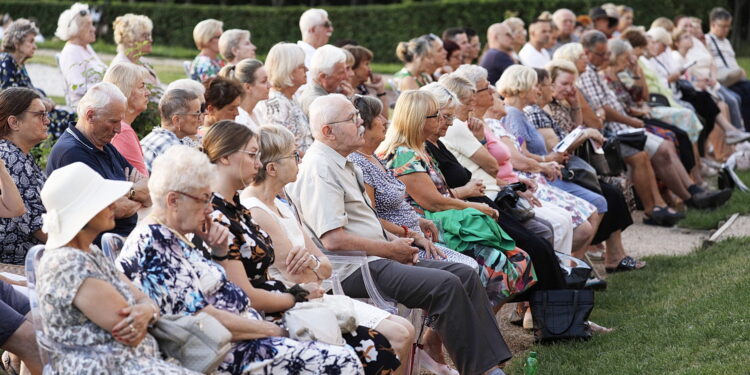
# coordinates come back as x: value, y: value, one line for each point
x: 378, y: 27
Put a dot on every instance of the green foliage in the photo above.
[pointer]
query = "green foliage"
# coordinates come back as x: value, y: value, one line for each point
x: 679, y: 315
x: 41, y: 152
x: 379, y: 27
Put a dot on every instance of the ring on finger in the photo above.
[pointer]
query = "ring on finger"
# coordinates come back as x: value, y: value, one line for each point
x: 132, y: 329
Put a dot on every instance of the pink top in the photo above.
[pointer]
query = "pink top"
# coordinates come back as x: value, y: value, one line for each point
x: 501, y: 153
x: 127, y: 143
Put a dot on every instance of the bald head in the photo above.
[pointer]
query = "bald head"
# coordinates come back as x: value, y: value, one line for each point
x: 500, y: 37
x: 325, y: 109
x: 565, y: 20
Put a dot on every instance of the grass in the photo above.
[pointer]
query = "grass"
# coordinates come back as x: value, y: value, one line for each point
x: 709, y: 219
x: 680, y: 315
x: 744, y: 63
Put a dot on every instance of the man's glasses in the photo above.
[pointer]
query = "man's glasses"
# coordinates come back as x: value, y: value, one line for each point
x: 354, y: 118
x: 41, y: 114
x: 205, y: 201
x: 327, y: 24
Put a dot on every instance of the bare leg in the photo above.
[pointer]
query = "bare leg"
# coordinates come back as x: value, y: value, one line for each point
x: 644, y: 181
x: 670, y: 171
x: 695, y: 173
x: 400, y: 333
x: 433, y: 345
x: 615, y: 251
x: 23, y: 344
x: 582, y: 236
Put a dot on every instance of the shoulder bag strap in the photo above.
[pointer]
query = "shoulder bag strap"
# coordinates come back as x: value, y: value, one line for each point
x: 718, y: 50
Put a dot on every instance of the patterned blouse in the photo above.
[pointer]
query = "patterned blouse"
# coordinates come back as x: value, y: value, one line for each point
x: 182, y: 281
x: 203, y: 68
x: 61, y: 273
x: 248, y: 243
x: 563, y: 117
x: 390, y: 204
x: 280, y: 110
x: 406, y: 161
x: 17, y: 233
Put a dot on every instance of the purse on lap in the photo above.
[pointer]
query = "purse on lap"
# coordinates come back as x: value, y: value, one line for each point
x: 199, y: 342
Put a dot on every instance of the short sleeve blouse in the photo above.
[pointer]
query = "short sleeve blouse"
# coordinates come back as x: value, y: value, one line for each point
x: 404, y: 161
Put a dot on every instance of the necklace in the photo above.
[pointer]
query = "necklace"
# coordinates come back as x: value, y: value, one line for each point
x: 176, y: 233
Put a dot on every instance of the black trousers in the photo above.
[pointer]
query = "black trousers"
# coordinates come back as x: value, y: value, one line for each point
x: 453, y: 293
x: 707, y: 109
x: 742, y: 88
x: 617, y: 216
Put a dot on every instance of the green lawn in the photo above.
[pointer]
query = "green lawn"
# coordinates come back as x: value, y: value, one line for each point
x: 709, y: 219
x: 680, y: 315
x: 744, y: 62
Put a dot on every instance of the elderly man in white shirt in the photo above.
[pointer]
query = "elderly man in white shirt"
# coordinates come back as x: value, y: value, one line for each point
x: 730, y: 73
x: 316, y: 30
x: 328, y: 72
x: 330, y: 195
x: 533, y: 53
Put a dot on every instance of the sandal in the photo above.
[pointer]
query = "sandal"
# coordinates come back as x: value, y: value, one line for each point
x: 626, y: 264
x: 662, y: 216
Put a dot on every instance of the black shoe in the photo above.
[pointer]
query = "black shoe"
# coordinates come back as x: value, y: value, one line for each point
x: 661, y: 216
x: 596, y: 284
x: 709, y: 199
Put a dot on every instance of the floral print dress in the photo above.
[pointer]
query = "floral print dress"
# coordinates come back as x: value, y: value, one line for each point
x: 252, y: 246
x: 280, y: 110
x: 204, y: 67
x: 60, y: 274
x: 12, y: 75
x: 17, y: 234
x: 504, y: 272
x: 178, y: 277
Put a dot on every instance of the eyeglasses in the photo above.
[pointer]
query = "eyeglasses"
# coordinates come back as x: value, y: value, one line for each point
x: 295, y: 155
x: 447, y: 118
x: 355, y: 117
x: 433, y: 116
x: 41, y: 114
x: 204, y: 201
x: 197, y: 114
x: 480, y: 90
x: 255, y: 155
x: 327, y: 24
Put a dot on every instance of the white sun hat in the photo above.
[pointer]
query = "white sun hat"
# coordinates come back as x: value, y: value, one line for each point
x: 73, y: 195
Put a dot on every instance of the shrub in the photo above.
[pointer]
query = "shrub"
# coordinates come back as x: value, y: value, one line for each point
x: 379, y: 27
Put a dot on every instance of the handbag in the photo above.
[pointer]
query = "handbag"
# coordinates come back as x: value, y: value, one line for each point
x: 562, y: 314
x: 604, y: 166
x: 581, y: 173
x: 511, y: 204
x: 635, y: 138
x: 199, y: 342
x: 322, y: 319
x: 686, y: 87
x: 576, y: 271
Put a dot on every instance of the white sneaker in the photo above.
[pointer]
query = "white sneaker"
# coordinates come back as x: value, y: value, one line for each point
x: 737, y: 136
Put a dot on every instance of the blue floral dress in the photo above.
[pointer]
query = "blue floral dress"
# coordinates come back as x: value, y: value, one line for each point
x: 12, y: 75
x: 203, y: 68
x: 181, y: 280
x: 17, y: 234
x: 60, y: 274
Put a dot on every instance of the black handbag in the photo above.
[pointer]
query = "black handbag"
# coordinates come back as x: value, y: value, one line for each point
x: 635, y: 139
x: 576, y: 272
x: 581, y: 173
x: 511, y: 204
x: 604, y: 164
x: 685, y: 87
x: 562, y: 314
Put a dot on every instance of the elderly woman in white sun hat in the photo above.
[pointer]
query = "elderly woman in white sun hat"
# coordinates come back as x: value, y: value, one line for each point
x: 83, y: 300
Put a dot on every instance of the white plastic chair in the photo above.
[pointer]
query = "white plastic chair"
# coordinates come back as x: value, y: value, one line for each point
x: 45, y: 344
x: 186, y: 65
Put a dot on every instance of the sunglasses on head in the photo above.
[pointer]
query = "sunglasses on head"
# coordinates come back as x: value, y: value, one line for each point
x: 81, y: 13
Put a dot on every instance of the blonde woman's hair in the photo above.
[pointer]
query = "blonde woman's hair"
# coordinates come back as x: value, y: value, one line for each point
x: 569, y: 51
x: 180, y: 168
x: 66, y: 27
x: 205, y: 30
x: 516, y: 80
x: 407, y: 126
x: 555, y: 67
x: 231, y: 39
x: 128, y: 28
x: 125, y: 76
x: 459, y: 85
x: 664, y: 23
x: 244, y: 71
x: 276, y: 142
x: 281, y: 61
x: 661, y: 35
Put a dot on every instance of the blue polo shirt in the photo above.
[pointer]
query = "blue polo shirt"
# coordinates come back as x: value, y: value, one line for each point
x: 73, y: 146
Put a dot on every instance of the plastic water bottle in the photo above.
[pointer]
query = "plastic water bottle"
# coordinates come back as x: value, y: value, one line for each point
x: 532, y: 364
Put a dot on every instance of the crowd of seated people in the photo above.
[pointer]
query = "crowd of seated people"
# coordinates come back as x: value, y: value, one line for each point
x: 259, y: 170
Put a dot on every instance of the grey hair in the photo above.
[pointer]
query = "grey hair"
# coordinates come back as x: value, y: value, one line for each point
x: 180, y: 168
x: 719, y: 13
x: 591, y: 38
x: 473, y: 73
x: 446, y: 98
x: 231, y: 39
x: 324, y: 110
x: 244, y: 71
x: 325, y: 58
x: 98, y: 97
x: 459, y: 85
x: 569, y: 51
x: 369, y: 108
x: 15, y: 33
x: 618, y: 47
x: 187, y: 84
x: 66, y: 28
x: 173, y: 102
x: 311, y: 18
